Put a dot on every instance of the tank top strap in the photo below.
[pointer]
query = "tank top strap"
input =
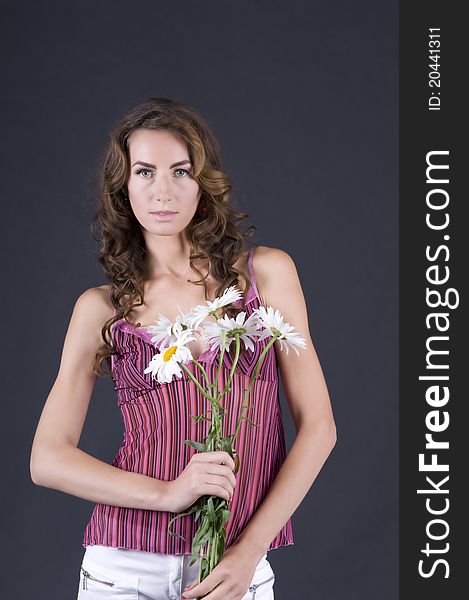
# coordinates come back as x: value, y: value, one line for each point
x: 252, y: 275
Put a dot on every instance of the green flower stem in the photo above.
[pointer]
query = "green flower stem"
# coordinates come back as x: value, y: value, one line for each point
x: 197, y: 383
x: 209, y: 554
x: 201, y: 555
x: 204, y: 372
x: 210, y: 526
x: 235, y: 361
x: 227, y: 386
x: 217, y: 425
x: 221, y: 354
x: 253, y: 378
x: 215, y: 434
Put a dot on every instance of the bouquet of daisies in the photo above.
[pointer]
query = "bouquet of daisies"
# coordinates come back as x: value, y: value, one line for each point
x: 171, y: 338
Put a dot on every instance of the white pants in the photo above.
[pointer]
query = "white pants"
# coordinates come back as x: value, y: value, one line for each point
x: 119, y: 573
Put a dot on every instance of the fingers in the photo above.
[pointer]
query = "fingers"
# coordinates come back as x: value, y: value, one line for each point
x: 196, y: 590
x: 190, y: 585
x: 218, y: 486
x: 216, y: 456
x: 212, y: 474
x: 222, y: 471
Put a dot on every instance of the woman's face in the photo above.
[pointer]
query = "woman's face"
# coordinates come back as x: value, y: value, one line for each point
x: 160, y: 180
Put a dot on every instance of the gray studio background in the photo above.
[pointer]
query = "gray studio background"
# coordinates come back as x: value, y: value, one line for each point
x: 303, y: 99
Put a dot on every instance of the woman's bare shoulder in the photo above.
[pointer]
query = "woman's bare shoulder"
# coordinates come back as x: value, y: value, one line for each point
x: 271, y: 265
x: 96, y: 302
x: 267, y: 258
x: 105, y: 291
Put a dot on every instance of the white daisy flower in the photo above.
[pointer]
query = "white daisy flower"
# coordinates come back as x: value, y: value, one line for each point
x: 166, y: 331
x: 213, y: 333
x: 273, y: 323
x: 164, y: 365
x: 201, y: 312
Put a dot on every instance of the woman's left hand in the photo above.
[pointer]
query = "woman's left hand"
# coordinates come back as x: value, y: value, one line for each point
x: 229, y: 580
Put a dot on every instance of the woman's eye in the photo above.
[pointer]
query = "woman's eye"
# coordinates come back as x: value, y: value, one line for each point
x: 142, y: 171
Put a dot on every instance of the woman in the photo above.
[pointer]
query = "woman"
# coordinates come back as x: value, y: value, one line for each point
x: 164, y: 215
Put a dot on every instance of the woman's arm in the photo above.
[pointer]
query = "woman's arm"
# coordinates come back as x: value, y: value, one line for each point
x: 56, y: 461
x: 308, y: 401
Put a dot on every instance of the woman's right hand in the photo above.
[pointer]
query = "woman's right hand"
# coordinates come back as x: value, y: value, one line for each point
x: 207, y: 473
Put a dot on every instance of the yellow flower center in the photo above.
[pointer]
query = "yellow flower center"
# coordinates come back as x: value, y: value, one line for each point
x: 169, y: 352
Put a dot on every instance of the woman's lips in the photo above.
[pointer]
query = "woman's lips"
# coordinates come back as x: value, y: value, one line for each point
x: 163, y: 214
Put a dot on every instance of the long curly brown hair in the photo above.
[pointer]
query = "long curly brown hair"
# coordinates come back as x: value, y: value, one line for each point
x: 214, y: 234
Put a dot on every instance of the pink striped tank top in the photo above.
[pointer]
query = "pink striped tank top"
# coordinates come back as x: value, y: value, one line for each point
x: 157, y: 421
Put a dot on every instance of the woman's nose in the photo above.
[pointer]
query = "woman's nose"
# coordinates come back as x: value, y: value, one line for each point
x: 162, y: 185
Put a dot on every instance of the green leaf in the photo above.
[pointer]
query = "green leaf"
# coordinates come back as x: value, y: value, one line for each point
x: 206, y: 538
x: 226, y: 445
x: 226, y: 515
x: 252, y: 422
x: 210, y: 510
x: 202, y: 530
x: 197, y: 445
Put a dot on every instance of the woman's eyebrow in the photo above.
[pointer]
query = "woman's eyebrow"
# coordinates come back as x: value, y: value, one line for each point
x: 145, y: 164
